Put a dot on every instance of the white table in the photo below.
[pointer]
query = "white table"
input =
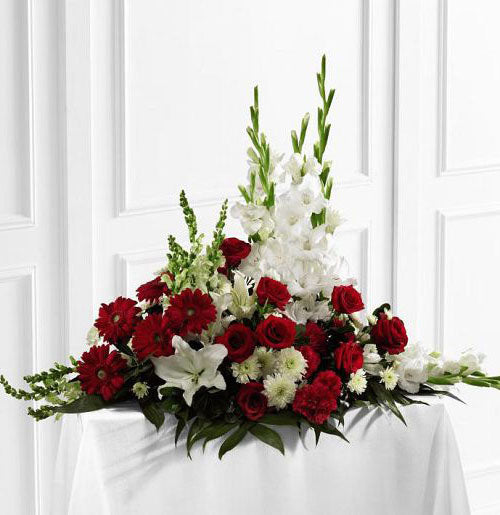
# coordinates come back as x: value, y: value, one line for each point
x: 114, y: 462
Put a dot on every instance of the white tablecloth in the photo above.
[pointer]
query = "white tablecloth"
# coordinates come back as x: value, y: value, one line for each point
x: 114, y: 462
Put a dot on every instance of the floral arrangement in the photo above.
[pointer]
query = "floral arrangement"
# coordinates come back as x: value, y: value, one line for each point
x: 237, y: 336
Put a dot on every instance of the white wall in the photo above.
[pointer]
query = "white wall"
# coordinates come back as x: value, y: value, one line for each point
x: 109, y: 108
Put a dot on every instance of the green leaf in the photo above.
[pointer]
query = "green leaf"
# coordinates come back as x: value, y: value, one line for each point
x: 317, y: 433
x: 215, y: 430
x: 331, y: 430
x: 153, y: 412
x: 280, y: 419
x: 197, y: 425
x: 83, y: 405
x: 181, y: 424
x: 234, y: 439
x: 268, y: 436
x: 385, y: 397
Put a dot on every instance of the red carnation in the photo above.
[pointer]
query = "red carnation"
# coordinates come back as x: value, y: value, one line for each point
x: 346, y: 299
x: 234, y: 250
x: 312, y: 357
x: 330, y: 380
x: 117, y: 320
x: 276, y: 332
x: 272, y: 291
x: 251, y: 400
x: 315, y: 402
x: 316, y: 337
x: 348, y: 357
x: 153, y: 336
x: 152, y: 291
x: 389, y: 334
x: 190, y: 312
x: 99, y: 371
x: 239, y: 341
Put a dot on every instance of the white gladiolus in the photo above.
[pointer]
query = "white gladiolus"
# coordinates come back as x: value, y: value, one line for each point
x: 93, y: 337
x: 472, y: 360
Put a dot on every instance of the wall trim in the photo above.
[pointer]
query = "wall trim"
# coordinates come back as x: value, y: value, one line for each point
x: 22, y: 221
x: 444, y: 169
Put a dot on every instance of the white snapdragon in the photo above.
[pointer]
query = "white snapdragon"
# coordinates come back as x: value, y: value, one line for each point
x: 357, y: 382
x: 279, y: 390
x: 93, y: 337
x: 291, y: 363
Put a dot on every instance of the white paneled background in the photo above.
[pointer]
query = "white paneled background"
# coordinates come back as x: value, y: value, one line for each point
x: 109, y: 107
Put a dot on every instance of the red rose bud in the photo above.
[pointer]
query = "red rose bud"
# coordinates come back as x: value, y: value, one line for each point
x: 239, y: 341
x: 272, y: 291
x: 346, y: 299
x: 389, y: 334
x: 348, y: 357
x: 234, y: 250
x: 315, y: 402
x: 252, y: 401
x: 312, y: 357
x: 338, y: 322
x: 316, y: 337
x: 276, y: 332
x: 99, y: 371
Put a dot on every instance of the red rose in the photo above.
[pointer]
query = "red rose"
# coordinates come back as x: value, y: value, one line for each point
x: 312, y: 357
x: 389, y: 334
x: 316, y: 337
x: 234, y: 250
x: 330, y: 380
x: 117, y: 320
x: 239, y: 341
x: 99, y: 371
x: 190, y: 312
x: 338, y: 323
x: 251, y: 400
x: 272, y: 291
x: 315, y: 402
x: 152, y: 290
x: 348, y: 357
x: 276, y: 332
x: 346, y: 299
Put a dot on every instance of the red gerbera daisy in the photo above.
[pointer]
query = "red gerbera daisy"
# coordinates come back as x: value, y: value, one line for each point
x: 117, y: 320
x: 190, y: 312
x: 152, y: 290
x: 99, y: 371
x: 153, y: 336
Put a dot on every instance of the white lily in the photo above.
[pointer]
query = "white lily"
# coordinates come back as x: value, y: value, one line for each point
x: 189, y: 369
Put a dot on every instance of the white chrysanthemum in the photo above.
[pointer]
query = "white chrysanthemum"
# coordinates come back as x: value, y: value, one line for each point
x: 279, y: 390
x: 291, y: 363
x: 140, y: 390
x: 357, y: 382
x: 93, y: 337
x: 389, y: 377
x: 266, y: 360
x: 248, y: 370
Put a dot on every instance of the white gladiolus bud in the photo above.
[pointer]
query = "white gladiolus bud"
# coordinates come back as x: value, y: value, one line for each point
x: 372, y: 319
